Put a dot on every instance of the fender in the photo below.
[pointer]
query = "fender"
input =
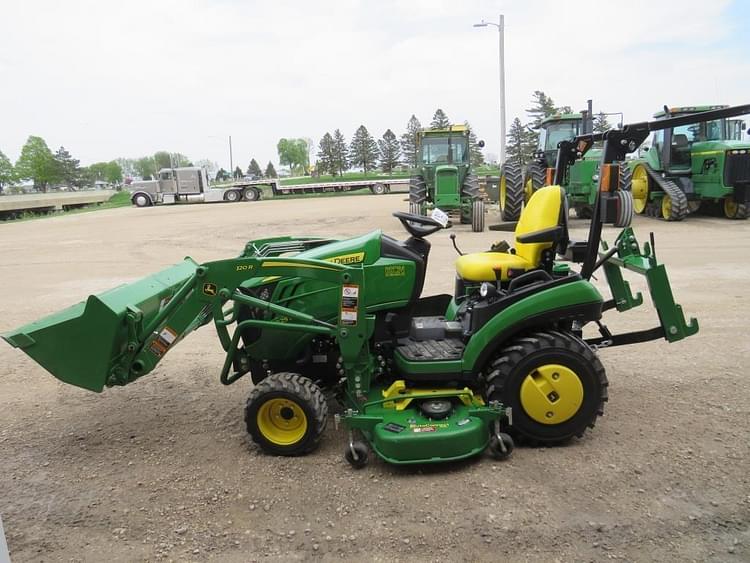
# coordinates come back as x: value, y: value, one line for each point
x: 576, y: 300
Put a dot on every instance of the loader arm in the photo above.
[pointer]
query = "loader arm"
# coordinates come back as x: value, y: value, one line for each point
x: 122, y: 335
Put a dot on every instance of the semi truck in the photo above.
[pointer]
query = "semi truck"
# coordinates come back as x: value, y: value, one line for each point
x: 190, y: 185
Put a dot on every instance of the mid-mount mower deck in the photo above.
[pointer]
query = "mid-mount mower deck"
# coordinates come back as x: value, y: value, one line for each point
x: 420, y: 379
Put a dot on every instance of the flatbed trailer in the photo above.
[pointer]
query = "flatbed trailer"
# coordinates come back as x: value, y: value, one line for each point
x: 190, y: 185
x: 378, y: 186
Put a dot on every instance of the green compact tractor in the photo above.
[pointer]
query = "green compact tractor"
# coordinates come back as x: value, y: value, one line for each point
x: 580, y: 181
x: 691, y: 165
x: 444, y: 179
x: 421, y: 379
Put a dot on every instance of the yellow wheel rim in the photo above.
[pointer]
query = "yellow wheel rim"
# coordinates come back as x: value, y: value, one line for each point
x: 503, y: 191
x: 551, y: 394
x: 281, y: 421
x: 666, y: 206
x: 528, y: 189
x: 730, y: 207
x: 640, y: 189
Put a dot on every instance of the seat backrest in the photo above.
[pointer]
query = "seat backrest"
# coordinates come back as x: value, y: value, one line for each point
x: 545, y: 210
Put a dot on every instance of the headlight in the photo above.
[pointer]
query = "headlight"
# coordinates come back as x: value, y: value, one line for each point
x: 487, y: 289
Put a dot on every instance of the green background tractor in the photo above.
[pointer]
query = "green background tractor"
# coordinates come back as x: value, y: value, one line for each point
x: 517, y: 183
x: 693, y: 165
x: 444, y: 178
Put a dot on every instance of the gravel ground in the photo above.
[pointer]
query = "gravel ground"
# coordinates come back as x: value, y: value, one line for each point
x: 162, y: 469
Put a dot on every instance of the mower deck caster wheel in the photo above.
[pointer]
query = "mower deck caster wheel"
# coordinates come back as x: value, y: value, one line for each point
x: 501, y: 446
x: 356, y: 454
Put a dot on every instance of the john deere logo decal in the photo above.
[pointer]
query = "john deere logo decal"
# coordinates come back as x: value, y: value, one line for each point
x: 209, y: 289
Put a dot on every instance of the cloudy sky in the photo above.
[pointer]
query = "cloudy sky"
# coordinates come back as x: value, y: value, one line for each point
x: 108, y: 79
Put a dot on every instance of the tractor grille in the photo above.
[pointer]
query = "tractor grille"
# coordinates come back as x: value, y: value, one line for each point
x: 737, y: 167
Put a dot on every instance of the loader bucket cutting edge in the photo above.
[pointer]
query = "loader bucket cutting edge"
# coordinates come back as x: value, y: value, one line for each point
x: 81, y: 345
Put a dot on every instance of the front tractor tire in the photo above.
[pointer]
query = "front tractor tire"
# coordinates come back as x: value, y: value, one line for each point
x: 477, y: 215
x: 553, y: 382
x: 286, y: 414
x: 510, y: 194
x: 734, y: 210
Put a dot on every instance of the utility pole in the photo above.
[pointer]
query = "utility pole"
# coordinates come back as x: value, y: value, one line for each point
x: 231, y: 162
x: 501, y: 44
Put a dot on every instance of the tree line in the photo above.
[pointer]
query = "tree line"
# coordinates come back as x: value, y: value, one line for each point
x: 524, y: 137
x: 45, y: 168
x: 335, y: 155
x: 37, y: 163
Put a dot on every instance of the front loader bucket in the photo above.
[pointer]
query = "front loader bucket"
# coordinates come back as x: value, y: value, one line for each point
x: 82, y: 344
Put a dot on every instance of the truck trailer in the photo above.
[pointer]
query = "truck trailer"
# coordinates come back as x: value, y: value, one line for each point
x: 190, y: 185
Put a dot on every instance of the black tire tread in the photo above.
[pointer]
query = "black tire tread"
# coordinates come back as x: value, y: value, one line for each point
x: 508, y: 357
x: 298, y: 386
x: 510, y: 209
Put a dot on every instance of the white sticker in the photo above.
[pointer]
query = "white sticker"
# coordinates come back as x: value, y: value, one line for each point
x: 350, y: 316
x: 351, y: 291
x: 440, y: 216
x: 168, y: 335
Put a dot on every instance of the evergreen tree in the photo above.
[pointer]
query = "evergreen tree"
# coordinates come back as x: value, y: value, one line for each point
x: 270, y: 171
x: 6, y: 171
x: 409, y: 146
x: 327, y: 155
x: 520, y: 143
x: 37, y: 163
x: 390, y: 152
x: 601, y: 124
x: 542, y: 106
x: 475, y: 151
x: 439, y: 120
x: 68, y: 167
x: 364, y: 150
x: 237, y: 173
x: 254, y: 170
x: 341, y: 152
x: 222, y: 175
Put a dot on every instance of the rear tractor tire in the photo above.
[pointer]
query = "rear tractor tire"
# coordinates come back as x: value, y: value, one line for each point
x: 511, y: 191
x: 535, y: 178
x: 553, y: 382
x: 417, y: 195
x: 477, y: 215
x: 641, y: 188
x: 286, y: 414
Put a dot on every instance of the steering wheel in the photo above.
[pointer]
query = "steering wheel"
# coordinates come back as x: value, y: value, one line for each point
x: 418, y: 226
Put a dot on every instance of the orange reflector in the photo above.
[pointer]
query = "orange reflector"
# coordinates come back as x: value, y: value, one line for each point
x: 550, y: 179
x: 606, y: 177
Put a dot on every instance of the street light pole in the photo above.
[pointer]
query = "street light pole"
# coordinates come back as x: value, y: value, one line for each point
x: 231, y: 163
x: 501, y: 44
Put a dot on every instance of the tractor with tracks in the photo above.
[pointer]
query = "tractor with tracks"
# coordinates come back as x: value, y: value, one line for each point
x: 518, y: 183
x: 443, y: 177
x: 692, y: 166
x: 420, y: 379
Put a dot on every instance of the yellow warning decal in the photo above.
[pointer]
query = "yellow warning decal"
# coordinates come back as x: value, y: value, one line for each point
x: 345, y: 259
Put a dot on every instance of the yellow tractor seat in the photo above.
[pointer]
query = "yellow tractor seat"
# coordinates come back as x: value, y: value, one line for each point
x: 542, y: 225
